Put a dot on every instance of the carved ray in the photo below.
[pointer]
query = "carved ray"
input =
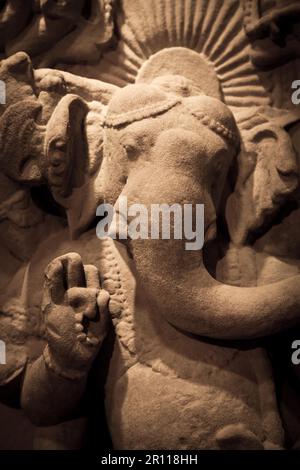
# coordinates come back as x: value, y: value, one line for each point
x: 233, y: 66
x: 169, y: 22
x: 236, y: 48
x: 188, y: 22
x: 198, y: 13
x: 150, y: 28
x: 214, y: 29
x: 179, y: 21
x: 128, y: 37
x: 209, y: 18
x: 114, y: 74
x: 159, y: 16
x: 242, y: 81
x: 222, y: 36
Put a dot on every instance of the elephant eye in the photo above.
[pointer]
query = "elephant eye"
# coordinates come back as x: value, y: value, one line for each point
x: 131, y: 150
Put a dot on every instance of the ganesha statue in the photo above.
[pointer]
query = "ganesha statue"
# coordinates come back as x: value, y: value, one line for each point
x: 173, y: 345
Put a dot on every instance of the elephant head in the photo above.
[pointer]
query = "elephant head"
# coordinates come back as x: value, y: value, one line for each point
x: 175, y: 147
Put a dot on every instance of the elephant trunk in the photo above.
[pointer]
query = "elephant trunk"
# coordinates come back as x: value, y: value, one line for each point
x: 180, y: 287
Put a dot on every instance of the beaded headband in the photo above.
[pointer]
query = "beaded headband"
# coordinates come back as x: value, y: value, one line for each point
x: 115, y: 119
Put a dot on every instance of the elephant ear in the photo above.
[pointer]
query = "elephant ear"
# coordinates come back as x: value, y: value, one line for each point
x: 73, y: 113
x: 267, y: 173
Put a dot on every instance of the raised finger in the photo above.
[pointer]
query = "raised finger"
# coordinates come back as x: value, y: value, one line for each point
x: 74, y: 270
x: 54, y: 281
x: 91, y: 276
x: 97, y: 330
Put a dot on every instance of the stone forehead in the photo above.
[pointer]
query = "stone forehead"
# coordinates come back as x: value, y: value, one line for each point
x: 137, y: 102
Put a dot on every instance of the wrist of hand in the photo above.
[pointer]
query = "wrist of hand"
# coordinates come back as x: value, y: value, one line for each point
x: 60, y: 369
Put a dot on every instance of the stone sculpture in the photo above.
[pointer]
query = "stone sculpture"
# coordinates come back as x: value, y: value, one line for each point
x: 274, y: 28
x: 56, y: 31
x: 176, y: 113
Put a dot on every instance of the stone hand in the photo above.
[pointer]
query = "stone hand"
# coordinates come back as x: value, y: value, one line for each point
x: 76, y: 314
